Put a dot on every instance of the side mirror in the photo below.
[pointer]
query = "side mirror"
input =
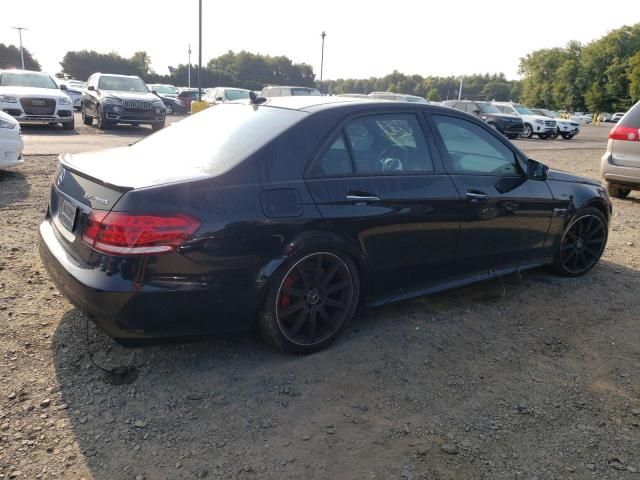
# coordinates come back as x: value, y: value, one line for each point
x: 91, y: 88
x: 476, y: 113
x: 536, y: 170
x: 218, y: 99
x: 154, y: 92
x: 63, y: 87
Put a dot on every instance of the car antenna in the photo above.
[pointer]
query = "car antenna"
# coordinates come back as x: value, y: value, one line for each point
x: 255, y: 99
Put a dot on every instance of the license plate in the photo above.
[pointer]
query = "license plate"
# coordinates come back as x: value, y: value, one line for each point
x: 67, y: 215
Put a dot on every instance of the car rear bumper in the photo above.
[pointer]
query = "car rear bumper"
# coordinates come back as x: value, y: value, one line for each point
x: 126, y: 310
x: 624, y: 175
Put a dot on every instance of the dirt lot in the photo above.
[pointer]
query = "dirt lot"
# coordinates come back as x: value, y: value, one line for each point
x: 532, y: 377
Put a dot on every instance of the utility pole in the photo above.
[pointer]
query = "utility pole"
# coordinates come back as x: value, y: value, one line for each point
x: 199, y: 50
x: 21, y: 51
x: 323, y: 34
x: 189, y: 71
x: 460, y: 91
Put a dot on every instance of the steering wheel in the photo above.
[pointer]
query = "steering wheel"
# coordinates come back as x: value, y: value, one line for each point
x: 392, y: 164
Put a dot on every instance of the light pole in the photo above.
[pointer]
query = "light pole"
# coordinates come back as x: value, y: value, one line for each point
x: 460, y: 91
x: 323, y: 34
x: 21, y: 52
x: 189, y: 71
x: 199, y: 50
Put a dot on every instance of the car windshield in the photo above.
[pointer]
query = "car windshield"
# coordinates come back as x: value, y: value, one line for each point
x: 122, y: 84
x: 237, y: 94
x: 15, y: 79
x: 488, y: 108
x: 305, y: 91
x: 523, y: 110
x: 165, y: 89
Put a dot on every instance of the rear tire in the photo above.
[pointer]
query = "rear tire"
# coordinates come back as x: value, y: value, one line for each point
x: 554, y: 134
x: 582, y: 243
x: 310, y: 302
x: 617, y: 192
x: 567, y: 136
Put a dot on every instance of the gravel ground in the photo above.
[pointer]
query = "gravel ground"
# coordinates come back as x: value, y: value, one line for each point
x: 529, y: 377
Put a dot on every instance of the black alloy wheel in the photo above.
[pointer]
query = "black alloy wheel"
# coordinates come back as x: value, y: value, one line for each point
x: 169, y: 108
x: 311, y: 303
x: 86, y: 119
x: 582, y: 244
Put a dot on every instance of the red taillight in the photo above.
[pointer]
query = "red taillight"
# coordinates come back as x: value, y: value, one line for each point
x: 627, y: 134
x: 134, y: 234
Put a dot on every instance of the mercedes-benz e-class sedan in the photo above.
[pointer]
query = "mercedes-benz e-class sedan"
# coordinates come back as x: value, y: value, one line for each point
x: 289, y: 215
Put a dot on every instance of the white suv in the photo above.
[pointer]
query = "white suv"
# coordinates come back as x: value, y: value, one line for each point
x: 566, y: 128
x: 35, y: 97
x: 543, y: 127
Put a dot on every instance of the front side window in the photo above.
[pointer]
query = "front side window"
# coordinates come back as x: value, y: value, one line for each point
x: 387, y: 144
x: 471, y: 149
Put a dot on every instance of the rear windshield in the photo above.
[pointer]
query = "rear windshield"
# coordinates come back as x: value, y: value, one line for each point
x: 632, y: 117
x: 305, y: 91
x: 10, y: 79
x: 213, y: 141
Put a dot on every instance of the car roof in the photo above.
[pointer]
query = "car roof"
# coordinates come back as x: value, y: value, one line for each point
x: 290, y: 86
x: 117, y: 75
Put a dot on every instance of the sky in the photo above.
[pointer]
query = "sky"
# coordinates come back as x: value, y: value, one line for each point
x: 363, y: 39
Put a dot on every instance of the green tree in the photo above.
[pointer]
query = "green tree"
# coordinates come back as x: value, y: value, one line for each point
x: 10, y: 58
x: 634, y: 77
x: 433, y: 95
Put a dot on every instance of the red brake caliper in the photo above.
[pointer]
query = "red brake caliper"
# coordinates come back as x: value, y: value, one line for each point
x: 285, y: 299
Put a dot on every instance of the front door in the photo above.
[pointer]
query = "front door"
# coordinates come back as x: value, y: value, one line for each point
x: 380, y: 184
x: 505, y: 215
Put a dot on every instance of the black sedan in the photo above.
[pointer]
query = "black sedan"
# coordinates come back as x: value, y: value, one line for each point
x: 291, y: 214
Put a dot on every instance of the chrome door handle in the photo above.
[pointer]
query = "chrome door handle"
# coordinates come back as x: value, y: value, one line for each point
x: 475, y: 196
x: 362, y: 198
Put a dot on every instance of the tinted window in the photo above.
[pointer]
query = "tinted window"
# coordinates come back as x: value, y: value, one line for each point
x: 632, y: 117
x: 122, y: 84
x: 472, y: 149
x: 336, y: 161
x: 15, y: 79
x: 305, y: 91
x: 388, y: 144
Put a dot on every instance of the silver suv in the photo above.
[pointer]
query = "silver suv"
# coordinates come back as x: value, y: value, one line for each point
x: 620, y: 166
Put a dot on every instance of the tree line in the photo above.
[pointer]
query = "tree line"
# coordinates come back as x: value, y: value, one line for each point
x: 10, y: 58
x: 603, y: 75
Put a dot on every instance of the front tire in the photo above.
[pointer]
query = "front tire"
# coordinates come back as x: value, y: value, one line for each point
x: 554, y: 134
x: 103, y: 123
x: 69, y: 125
x: 617, y: 192
x: 86, y: 119
x: 527, y: 132
x: 169, y: 108
x: 582, y: 243
x: 310, y: 302
x: 157, y: 126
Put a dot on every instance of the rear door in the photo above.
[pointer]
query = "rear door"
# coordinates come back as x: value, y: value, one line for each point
x: 505, y: 215
x: 379, y: 182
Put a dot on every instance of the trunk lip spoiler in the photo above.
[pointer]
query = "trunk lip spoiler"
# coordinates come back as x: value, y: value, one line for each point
x: 62, y: 158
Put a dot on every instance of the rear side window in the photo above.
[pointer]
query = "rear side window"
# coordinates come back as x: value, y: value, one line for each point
x: 387, y: 144
x: 471, y: 149
x: 632, y: 117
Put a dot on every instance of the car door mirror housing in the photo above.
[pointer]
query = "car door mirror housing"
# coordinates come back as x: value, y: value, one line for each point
x: 537, y: 170
x: 218, y: 99
x: 63, y: 87
x: 91, y: 88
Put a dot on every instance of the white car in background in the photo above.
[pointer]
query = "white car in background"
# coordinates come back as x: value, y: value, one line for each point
x: 617, y: 116
x: 567, y: 129
x: 35, y: 97
x: 11, y: 143
x: 74, y: 91
x: 543, y: 127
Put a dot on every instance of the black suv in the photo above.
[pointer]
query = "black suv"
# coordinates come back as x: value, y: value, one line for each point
x: 508, y: 125
x: 113, y: 99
